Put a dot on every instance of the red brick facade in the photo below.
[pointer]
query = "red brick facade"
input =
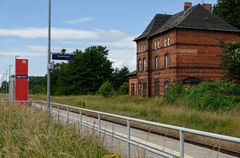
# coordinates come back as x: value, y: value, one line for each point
x: 179, y: 53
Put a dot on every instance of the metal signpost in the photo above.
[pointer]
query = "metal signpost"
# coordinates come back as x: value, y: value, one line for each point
x: 55, y: 56
x: 49, y: 56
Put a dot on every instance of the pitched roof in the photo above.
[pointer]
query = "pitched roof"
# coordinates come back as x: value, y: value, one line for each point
x: 158, y: 20
x: 196, y: 17
x: 133, y: 73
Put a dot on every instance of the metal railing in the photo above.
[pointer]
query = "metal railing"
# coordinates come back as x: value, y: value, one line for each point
x: 128, y: 120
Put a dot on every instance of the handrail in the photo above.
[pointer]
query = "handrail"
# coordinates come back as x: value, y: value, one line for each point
x: 128, y: 140
x: 178, y: 128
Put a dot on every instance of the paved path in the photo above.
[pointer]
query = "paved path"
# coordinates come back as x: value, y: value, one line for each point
x: 116, y: 145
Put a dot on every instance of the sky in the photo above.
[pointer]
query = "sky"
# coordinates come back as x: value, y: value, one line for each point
x: 76, y: 24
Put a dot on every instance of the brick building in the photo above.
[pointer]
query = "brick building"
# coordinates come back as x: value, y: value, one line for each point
x: 183, y: 48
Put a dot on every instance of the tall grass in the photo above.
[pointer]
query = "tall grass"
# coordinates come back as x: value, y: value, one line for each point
x: 155, y: 109
x: 30, y: 133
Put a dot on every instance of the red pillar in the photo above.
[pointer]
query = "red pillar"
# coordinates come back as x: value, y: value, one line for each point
x: 21, y: 80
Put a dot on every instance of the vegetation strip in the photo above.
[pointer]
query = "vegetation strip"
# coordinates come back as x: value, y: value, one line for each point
x: 30, y: 133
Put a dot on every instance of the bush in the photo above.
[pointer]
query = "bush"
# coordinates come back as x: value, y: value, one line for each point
x: 218, y: 95
x: 124, y: 88
x: 175, y: 92
x: 106, y: 89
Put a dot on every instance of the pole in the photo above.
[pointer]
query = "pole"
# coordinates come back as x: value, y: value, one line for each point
x: 49, y: 56
x: 14, y: 82
x: 9, y: 84
x: 181, y: 144
x: 6, y: 83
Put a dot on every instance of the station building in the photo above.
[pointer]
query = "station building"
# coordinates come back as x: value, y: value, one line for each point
x: 183, y: 48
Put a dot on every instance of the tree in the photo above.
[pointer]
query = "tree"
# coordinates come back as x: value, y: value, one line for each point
x: 37, y: 84
x: 85, y: 74
x: 4, y: 87
x: 106, y: 89
x: 230, y: 60
x: 228, y: 10
x: 119, y: 77
x: 124, y: 88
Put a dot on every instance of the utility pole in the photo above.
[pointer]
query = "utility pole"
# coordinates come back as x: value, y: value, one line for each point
x: 6, y: 87
x: 9, y: 80
x: 49, y: 58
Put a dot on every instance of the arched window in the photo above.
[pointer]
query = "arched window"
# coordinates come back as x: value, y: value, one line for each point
x: 139, y: 89
x: 165, y: 42
x: 158, y: 44
x: 167, y: 60
x: 139, y: 65
x: 144, y: 65
x: 157, y: 62
x: 168, y: 41
x: 166, y: 86
x: 155, y: 45
x: 132, y: 89
x: 144, y: 92
x: 156, y: 88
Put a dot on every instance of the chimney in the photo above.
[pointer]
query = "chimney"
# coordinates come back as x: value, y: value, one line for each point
x: 207, y: 6
x: 187, y: 5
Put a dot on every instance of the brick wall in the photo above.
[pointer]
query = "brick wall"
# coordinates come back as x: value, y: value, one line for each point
x: 198, y: 53
x: 193, y: 53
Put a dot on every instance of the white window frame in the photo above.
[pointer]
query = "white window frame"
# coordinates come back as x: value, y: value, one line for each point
x: 167, y: 60
x: 158, y: 44
x: 168, y: 41
x: 165, y: 42
x: 157, y: 62
x: 144, y: 64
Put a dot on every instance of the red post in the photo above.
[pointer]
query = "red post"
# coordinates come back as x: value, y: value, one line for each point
x: 21, y: 80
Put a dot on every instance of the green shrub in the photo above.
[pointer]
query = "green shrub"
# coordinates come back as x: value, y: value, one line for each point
x: 124, y: 88
x: 175, y: 92
x: 218, y: 95
x: 106, y: 89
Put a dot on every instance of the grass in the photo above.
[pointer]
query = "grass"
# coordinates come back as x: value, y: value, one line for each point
x: 155, y: 109
x: 30, y: 133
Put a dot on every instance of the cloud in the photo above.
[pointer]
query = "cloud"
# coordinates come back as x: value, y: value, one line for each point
x: 57, y: 33
x: 80, y: 20
x: 122, y: 48
x: 26, y: 51
x: 64, y: 34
